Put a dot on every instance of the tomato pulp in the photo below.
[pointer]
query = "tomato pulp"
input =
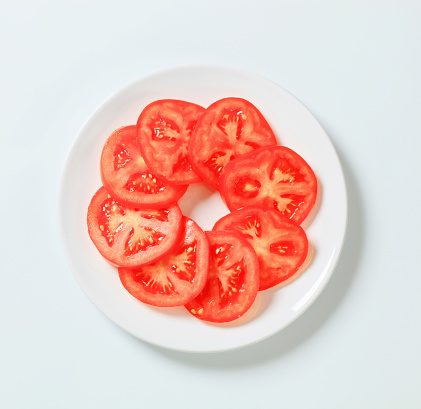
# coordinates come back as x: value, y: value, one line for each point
x: 176, y: 278
x: 126, y: 176
x: 233, y: 279
x: 228, y: 128
x: 164, y: 129
x: 274, y: 176
x: 281, y: 245
x: 130, y: 237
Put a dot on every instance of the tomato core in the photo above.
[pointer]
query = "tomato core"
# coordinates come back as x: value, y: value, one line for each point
x: 250, y: 227
x: 183, y: 265
x: 164, y: 129
x: 217, y: 162
x: 232, y: 124
x: 140, y: 239
x: 154, y: 283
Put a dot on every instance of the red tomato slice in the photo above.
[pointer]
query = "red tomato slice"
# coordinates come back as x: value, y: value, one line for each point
x: 130, y: 237
x: 228, y: 128
x: 274, y: 176
x: 127, y: 178
x: 281, y: 245
x: 233, y: 279
x: 176, y: 278
x: 164, y: 128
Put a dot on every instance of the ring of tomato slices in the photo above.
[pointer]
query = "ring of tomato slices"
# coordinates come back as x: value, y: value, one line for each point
x: 164, y: 128
x: 176, y: 278
x: 273, y: 176
x: 281, y: 245
x: 126, y: 176
x: 165, y: 259
x: 228, y: 128
x: 130, y: 237
x: 233, y: 279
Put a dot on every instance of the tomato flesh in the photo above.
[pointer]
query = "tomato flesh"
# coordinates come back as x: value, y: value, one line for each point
x: 164, y: 129
x: 228, y: 128
x: 126, y: 176
x: 273, y: 176
x: 233, y: 279
x: 176, y: 278
x: 128, y: 236
x: 281, y: 245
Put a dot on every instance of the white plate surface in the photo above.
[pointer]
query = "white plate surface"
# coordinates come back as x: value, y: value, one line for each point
x: 275, y: 308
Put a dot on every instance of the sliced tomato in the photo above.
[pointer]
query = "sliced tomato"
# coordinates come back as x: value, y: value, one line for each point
x: 228, y: 128
x: 176, y: 278
x: 273, y: 176
x: 281, y: 245
x: 130, y: 237
x: 164, y: 128
x: 233, y: 279
x: 127, y: 178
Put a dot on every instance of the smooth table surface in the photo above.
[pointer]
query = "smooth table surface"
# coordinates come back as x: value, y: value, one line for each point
x: 355, y: 65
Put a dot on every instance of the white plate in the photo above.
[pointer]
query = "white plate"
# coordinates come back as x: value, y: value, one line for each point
x: 274, y: 309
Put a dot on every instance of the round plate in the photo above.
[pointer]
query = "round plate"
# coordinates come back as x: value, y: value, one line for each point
x: 275, y: 308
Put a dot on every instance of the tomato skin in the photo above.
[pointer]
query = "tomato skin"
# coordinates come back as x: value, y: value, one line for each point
x: 164, y: 128
x: 176, y: 278
x: 281, y: 245
x: 273, y: 176
x: 228, y: 128
x: 233, y: 280
x: 126, y: 176
x: 131, y: 237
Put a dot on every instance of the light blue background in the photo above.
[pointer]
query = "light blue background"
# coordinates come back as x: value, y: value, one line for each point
x: 356, y: 65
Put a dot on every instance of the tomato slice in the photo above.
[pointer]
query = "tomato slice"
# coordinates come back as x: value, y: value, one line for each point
x: 281, y: 245
x: 130, y: 237
x: 273, y: 176
x: 127, y: 178
x: 233, y: 279
x: 164, y: 128
x: 228, y: 128
x: 176, y: 278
